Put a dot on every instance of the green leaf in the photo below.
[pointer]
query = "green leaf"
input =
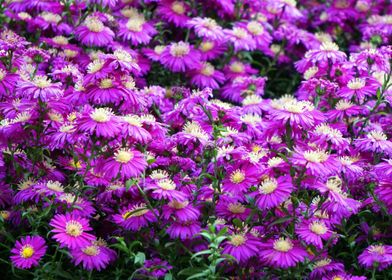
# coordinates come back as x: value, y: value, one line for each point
x: 205, y: 252
x: 280, y: 221
x: 140, y: 258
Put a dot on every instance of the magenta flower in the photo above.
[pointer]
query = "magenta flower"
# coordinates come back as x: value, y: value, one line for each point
x: 241, y: 246
x: 314, y: 232
x: 134, y: 217
x: 136, y: 30
x: 241, y: 39
x: 174, y: 12
x: 132, y: 126
x: 283, y: 253
x: 40, y: 88
x: 207, y: 28
x: 99, y: 121
x: 180, y: 57
x: 92, y: 256
x: 28, y: 251
x: 71, y: 230
x: 125, y: 162
x: 324, y: 267
x: 207, y: 76
x: 165, y: 189
x: 183, y: 230
x: 317, y: 162
x: 328, y: 51
x: 343, y: 109
x: 94, y: 33
x: 230, y: 208
x: 375, y: 141
x: 239, y: 180
x: 272, y: 192
x: 380, y: 255
x: 181, y: 211
x: 358, y: 88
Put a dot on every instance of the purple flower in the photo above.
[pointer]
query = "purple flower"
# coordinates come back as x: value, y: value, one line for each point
x: 134, y: 217
x: 241, y: 246
x: 92, y: 256
x: 272, y: 192
x: 40, y: 88
x: 28, y: 251
x: 376, y: 255
x: 180, y: 57
x: 94, y: 33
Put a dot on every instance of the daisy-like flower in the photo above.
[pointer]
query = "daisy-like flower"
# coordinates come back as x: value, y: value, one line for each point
x: 207, y: 28
x: 180, y: 56
x: 182, y: 211
x: 94, y: 33
x: 375, y: 141
x: 133, y: 127
x: 324, y: 134
x: 325, y: 267
x: 165, y: 189
x: 174, y: 12
x: 211, y: 49
x: 376, y: 254
x: 136, y: 30
x: 106, y: 91
x: 241, y: 246
x: 358, y: 88
x: 28, y: 251
x: 241, y: 39
x: 328, y: 51
x: 40, y: 88
x: 317, y: 162
x: 344, y: 109
x: 91, y: 256
x: 239, y: 180
x: 126, y: 162
x: 384, y: 193
x: 314, y: 232
x: 183, y: 230
x: 283, y: 252
x: 230, y: 208
x: 272, y: 192
x: 99, y: 121
x: 192, y: 132
x: 71, y: 230
x: 207, y: 76
x: 297, y: 113
x: 134, y: 217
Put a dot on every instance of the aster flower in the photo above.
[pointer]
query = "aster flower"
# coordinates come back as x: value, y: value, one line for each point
x: 182, y: 211
x: 135, y: 217
x: 272, y: 192
x: 94, y: 33
x: 209, y: 49
x: 230, y: 208
x: 380, y: 255
x: 92, y: 256
x: 125, y: 162
x: 40, y: 88
x: 207, y: 76
x: 241, y: 246
x: 283, y: 252
x: 384, y: 192
x: 317, y: 162
x: 328, y: 51
x: 136, y: 30
x: 358, y: 88
x: 165, y: 189
x: 324, y: 267
x: 28, y: 251
x: 240, y: 179
x: 70, y: 230
x: 314, y: 232
x: 174, y: 12
x: 207, y: 28
x: 133, y: 127
x: 241, y: 39
x: 180, y: 56
x: 98, y: 121
x: 344, y: 109
x: 375, y: 141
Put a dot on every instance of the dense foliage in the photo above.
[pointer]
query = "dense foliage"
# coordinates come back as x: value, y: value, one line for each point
x: 219, y: 139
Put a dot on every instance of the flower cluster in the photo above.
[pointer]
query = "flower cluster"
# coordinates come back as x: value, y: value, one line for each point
x: 215, y: 139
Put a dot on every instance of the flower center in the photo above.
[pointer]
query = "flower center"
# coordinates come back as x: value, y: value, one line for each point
x: 135, y: 24
x: 316, y: 156
x: 179, y: 49
x: 207, y: 70
x: 356, y: 83
x: 283, y: 245
x: 252, y: 100
x: 318, y: 227
x: 123, y: 156
x: 178, y: 205
x: 74, y: 228
x: 24, y: 16
x: 106, y: 83
x: 377, y: 135
x: 206, y: 46
x: 101, y: 115
x: 55, y: 186
x: 237, y: 240
x: 237, y: 176
x: 322, y: 263
x: 167, y: 184
x: 329, y: 46
x: 50, y: 17
x: 178, y: 8
x: 240, y: 33
x: 378, y: 249
x: 268, y: 186
x: 343, y: 105
x: 27, y: 251
x: 94, y: 66
x: 3, y: 73
x: 236, y: 208
x: 194, y: 129
x: 92, y: 250
x: 275, y: 161
x: 122, y: 55
x: 60, y: 40
x: 133, y: 120
x: 237, y: 67
x: 41, y: 81
x: 159, y: 49
x: 255, y: 28
x: 310, y: 72
x: 94, y: 25
x: 334, y: 184
x: 209, y: 23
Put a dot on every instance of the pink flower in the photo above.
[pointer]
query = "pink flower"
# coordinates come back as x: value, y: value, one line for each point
x: 314, y: 232
x: 136, y: 30
x: 207, y: 76
x: 40, y: 88
x: 98, y: 121
x: 180, y: 57
x: 376, y: 254
x: 134, y: 217
x: 93, y: 256
x: 94, y: 33
x: 28, y: 251
x: 241, y: 246
x: 272, y: 192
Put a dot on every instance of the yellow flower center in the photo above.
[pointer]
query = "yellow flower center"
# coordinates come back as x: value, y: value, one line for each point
x: 343, y: 105
x: 123, y: 156
x: 55, y: 186
x: 106, y: 83
x: 167, y: 184
x: 377, y: 135
x: 61, y: 40
x: 356, y: 83
x: 283, y: 245
x: 378, y: 249
x: 236, y: 208
x: 237, y: 67
x: 322, y: 263
x: 178, y: 8
x: 255, y: 28
x: 133, y: 120
x: 67, y: 128
x: 194, y: 129
x: 24, y: 15
x: 318, y: 227
x: 135, y: 24
x: 50, y: 17
x: 74, y: 228
x: 179, y: 49
x: 268, y: 186
x: 207, y: 70
x: 237, y: 240
x: 237, y: 176
x: 92, y: 250
x: 275, y: 161
x: 94, y: 24
x: 41, y: 82
x: 94, y: 66
x: 209, y: 23
x: 252, y: 100
x: 329, y: 46
x: 206, y: 46
x: 101, y: 115
x: 177, y: 204
x: 240, y: 33
x: 310, y: 72
x: 316, y: 156
x: 70, y: 53
x: 123, y: 55
x: 27, y: 251
x: 159, y: 49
